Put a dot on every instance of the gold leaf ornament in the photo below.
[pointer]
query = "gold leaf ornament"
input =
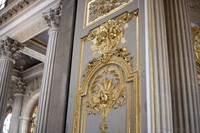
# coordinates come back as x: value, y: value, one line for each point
x: 106, y: 94
x: 107, y: 37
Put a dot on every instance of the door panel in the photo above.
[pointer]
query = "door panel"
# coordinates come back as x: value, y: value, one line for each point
x: 106, y: 68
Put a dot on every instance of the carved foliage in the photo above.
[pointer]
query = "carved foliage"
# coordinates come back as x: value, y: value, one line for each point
x: 34, y: 85
x: 53, y: 17
x: 99, y: 8
x: 109, y: 35
x: 107, y: 92
x: 10, y: 47
x: 18, y: 86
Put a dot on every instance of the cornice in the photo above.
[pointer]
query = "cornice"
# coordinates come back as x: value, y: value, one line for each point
x: 13, y: 9
x: 22, y: 23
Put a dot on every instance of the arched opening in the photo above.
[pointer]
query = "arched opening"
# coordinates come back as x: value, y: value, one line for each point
x: 29, y: 113
x: 6, y: 125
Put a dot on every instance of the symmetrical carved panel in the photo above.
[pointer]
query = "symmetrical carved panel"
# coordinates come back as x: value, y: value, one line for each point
x: 109, y: 81
x: 98, y: 9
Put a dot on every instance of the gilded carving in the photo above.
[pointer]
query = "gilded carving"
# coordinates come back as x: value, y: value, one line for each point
x: 196, y: 38
x: 97, y: 9
x: 109, y: 35
x: 105, y: 94
x: 108, y: 77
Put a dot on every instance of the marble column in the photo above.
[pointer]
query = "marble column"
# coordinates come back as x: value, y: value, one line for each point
x: 9, y: 50
x: 24, y: 122
x: 53, y: 20
x: 18, y: 89
x: 184, y: 88
x: 161, y: 96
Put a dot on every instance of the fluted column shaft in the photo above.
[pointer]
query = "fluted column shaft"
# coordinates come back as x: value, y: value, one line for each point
x: 6, y: 66
x: 17, y: 106
x: 53, y: 20
x: 161, y: 98
x: 9, y: 50
x: 17, y: 89
x: 184, y: 86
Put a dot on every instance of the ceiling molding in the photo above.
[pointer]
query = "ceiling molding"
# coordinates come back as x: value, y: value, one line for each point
x: 31, y: 73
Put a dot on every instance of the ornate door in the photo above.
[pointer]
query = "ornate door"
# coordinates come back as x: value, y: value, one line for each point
x: 107, y: 86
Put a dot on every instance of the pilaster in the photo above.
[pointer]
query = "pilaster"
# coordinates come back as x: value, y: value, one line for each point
x: 53, y: 19
x: 184, y: 88
x: 161, y: 93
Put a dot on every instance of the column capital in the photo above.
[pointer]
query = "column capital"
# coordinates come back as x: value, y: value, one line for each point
x: 10, y: 48
x: 53, y: 17
x: 18, y: 87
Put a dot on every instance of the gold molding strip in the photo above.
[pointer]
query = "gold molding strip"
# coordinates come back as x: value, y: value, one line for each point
x: 39, y: 42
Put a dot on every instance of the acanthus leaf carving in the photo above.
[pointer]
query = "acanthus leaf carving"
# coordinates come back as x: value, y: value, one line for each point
x: 10, y: 48
x: 53, y: 17
x: 109, y: 35
x: 35, y: 85
x: 18, y: 86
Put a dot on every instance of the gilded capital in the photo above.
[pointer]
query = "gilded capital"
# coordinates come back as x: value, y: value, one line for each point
x: 53, y: 17
x: 18, y: 86
x: 10, y: 48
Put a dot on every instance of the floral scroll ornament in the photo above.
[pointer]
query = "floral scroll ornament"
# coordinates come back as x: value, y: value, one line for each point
x: 108, y: 37
x: 106, y: 94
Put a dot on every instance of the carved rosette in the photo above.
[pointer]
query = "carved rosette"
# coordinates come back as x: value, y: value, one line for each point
x: 53, y: 17
x: 10, y: 48
x: 18, y: 86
